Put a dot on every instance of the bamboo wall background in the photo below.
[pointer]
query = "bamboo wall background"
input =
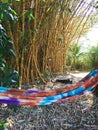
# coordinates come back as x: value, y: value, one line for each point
x: 42, y: 42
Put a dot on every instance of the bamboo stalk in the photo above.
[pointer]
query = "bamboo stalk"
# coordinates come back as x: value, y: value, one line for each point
x: 55, y: 26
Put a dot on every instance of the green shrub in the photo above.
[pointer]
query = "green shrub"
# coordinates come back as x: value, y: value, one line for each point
x: 8, y: 76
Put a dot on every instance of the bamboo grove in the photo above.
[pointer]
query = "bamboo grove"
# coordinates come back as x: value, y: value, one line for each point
x: 43, y: 33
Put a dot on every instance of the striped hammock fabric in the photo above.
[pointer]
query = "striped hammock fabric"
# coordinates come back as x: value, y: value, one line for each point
x: 39, y: 97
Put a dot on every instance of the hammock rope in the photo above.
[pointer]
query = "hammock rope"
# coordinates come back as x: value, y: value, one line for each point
x: 39, y: 97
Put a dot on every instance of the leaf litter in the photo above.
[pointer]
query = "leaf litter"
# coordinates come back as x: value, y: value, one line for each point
x: 80, y: 113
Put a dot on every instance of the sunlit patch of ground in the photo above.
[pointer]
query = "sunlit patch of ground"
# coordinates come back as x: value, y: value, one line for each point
x: 80, y: 74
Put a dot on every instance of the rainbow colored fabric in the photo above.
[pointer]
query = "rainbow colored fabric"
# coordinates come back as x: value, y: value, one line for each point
x: 39, y: 97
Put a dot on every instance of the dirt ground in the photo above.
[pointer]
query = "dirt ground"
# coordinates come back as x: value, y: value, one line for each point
x: 76, y: 114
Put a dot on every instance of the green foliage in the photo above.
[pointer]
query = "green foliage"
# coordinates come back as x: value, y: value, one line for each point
x: 96, y: 5
x: 6, y: 12
x: 2, y: 123
x: 70, y: 11
x: 44, y: 0
x: 46, y: 74
x: 29, y: 14
x: 93, y: 55
x: 2, y: 65
x: 5, y: 44
x: 73, y: 55
x: 82, y: 60
x: 8, y: 77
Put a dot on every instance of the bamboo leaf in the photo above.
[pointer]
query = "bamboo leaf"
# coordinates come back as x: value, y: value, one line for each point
x: 96, y: 7
x: 2, y: 123
x: 69, y: 10
x: 6, y: 12
x: 12, y: 53
x: 31, y: 16
x: 44, y: 0
x: 48, y: 9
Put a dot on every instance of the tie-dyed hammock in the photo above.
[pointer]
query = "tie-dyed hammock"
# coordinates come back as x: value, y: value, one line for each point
x: 39, y: 97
